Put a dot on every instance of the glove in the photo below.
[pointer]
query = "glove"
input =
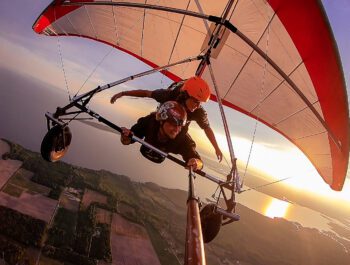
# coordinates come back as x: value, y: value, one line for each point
x: 125, y: 136
x: 195, y: 164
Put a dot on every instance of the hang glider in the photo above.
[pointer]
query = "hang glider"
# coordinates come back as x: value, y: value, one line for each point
x: 276, y: 60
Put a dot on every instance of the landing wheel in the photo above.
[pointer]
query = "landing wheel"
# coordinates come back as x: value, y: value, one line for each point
x: 210, y: 221
x: 55, y: 143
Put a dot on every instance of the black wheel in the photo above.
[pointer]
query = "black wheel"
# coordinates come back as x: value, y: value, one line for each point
x: 210, y: 221
x: 55, y: 143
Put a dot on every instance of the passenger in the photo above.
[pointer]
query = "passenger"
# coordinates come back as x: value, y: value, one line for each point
x: 162, y: 130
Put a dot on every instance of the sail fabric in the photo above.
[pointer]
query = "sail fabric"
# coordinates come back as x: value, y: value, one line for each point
x: 294, y: 34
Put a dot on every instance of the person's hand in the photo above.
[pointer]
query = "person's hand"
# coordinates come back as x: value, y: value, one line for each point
x: 116, y: 96
x: 218, y: 154
x: 125, y: 136
x: 195, y: 164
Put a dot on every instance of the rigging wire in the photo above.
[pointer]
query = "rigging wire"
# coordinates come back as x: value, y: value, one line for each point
x: 61, y: 59
x: 175, y: 41
x: 119, y: 39
x: 227, y: 163
x: 94, y: 70
x: 143, y: 29
x: 73, y: 118
x: 144, y: 18
x: 265, y: 185
x: 249, y: 189
x: 260, y: 100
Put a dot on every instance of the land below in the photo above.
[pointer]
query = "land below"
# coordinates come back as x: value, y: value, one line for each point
x: 57, y: 213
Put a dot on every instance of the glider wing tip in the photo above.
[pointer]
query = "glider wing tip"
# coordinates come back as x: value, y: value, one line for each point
x: 337, y: 186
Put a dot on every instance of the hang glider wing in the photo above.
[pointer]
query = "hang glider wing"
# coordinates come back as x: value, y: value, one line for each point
x: 301, y: 95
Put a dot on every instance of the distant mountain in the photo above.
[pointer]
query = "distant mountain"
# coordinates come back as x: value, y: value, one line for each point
x: 254, y: 240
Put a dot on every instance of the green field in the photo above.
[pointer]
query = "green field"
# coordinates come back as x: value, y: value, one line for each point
x: 62, y: 233
x: 21, y: 179
x: 13, y: 190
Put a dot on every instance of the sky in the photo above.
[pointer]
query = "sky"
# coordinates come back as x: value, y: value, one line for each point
x: 41, y: 58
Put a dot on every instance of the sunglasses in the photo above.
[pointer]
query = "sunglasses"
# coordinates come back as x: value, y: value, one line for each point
x: 176, y: 122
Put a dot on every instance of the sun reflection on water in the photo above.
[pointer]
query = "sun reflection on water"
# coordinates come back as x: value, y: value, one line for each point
x: 277, y: 208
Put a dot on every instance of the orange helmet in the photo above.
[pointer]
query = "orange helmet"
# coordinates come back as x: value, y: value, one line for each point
x: 197, y: 88
x: 173, y: 112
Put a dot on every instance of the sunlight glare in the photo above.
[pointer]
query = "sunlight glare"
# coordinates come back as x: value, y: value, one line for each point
x: 281, y: 162
x: 277, y: 208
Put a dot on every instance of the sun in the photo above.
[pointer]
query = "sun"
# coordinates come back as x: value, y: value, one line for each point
x: 277, y: 208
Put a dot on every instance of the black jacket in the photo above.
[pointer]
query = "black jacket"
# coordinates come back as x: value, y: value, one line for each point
x: 147, y: 128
